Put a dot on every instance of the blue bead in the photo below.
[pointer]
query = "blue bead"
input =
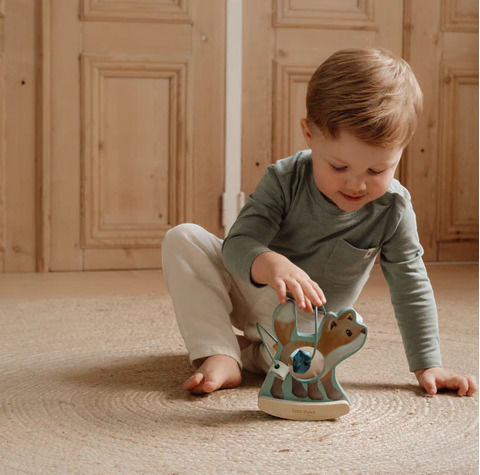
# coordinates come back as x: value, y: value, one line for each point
x: 301, y: 361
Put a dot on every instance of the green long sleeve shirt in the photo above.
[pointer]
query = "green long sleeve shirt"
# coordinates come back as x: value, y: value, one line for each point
x: 288, y: 214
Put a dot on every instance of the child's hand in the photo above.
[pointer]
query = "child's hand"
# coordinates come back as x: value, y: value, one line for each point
x: 283, y: 276
x: 433, y: 379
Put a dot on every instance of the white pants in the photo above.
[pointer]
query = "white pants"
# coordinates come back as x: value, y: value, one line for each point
x: 209, y: 301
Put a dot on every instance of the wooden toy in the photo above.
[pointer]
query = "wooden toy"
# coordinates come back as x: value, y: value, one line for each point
x: 301, y: 383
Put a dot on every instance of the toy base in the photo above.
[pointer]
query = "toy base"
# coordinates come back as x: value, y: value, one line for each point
x: 303, y: 411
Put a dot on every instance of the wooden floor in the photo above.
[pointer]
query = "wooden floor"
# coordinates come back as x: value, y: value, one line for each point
x: 458, y: 280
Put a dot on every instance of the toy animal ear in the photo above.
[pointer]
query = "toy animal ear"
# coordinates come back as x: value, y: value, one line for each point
x: 331, y: 324
x: 348, y: 315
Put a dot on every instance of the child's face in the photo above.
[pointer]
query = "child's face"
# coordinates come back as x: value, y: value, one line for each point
x: 349, y: 172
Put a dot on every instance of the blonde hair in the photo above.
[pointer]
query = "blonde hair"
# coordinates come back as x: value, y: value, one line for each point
x: 371, y: 92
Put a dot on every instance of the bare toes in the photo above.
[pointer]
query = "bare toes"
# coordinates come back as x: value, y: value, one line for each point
x: 193, y: 381
x: 210, y: 386
x: 206, y: 387
x: 216, y: 372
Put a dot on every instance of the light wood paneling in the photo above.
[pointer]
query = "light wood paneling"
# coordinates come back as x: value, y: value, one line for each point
x: 257, y: 85
x: 2, y: 157
x: 458, y: 215
x: 334, y: 14
x: 289, y: 105
x: 44, y: 133
x: 133, y: 159
x: 460, y: 16
x: 19, y: 145
x: 419, y: 165
x: 207, y: 115
x: 139, y: 153
x: 94, y: 170
x: 169, y: 11
x: 442, y: 161
x: 64, y: 135
x: 458, y: 251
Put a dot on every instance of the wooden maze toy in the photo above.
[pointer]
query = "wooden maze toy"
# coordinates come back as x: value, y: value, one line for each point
x: 301, y: 382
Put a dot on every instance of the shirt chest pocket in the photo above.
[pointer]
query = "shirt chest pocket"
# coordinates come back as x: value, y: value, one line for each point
x: 348, y: 263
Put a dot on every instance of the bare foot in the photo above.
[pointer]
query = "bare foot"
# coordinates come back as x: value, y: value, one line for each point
x: 216, y: 372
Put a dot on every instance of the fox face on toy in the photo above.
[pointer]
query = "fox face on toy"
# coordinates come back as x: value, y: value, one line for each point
x: 343, y: 334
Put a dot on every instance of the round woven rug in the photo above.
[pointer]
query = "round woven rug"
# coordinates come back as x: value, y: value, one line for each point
x: 93, y: 385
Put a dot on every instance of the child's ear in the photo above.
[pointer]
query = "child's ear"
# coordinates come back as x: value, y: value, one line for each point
x: 306, y: 131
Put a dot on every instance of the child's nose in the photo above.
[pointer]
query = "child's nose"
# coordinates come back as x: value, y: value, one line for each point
x: 356, y: 184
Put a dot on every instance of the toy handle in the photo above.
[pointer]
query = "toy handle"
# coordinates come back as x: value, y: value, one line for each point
x: 315, y: 311
x: 316, y: 339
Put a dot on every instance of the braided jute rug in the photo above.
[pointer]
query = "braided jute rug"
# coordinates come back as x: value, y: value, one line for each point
x: 93, y: 385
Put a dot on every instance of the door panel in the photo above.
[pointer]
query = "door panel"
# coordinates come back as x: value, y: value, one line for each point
x: 133, y: 151
x: 441, y: 166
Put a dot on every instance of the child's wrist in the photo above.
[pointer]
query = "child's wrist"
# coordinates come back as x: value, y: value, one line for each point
x: 258, y: 269
x: 419, y: 372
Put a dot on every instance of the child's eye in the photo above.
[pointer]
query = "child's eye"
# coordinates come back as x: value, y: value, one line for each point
x: 338, y: 169
x: 375, y: 172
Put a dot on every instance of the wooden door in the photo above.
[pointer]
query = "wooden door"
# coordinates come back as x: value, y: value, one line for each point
x: 133, y: 140
x: 441, y: 166
x: 285, y: 40
x: 112, y: 117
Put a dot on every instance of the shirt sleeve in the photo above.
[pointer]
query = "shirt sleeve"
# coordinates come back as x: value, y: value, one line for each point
x: 256, y: 226
x: 411, y: 293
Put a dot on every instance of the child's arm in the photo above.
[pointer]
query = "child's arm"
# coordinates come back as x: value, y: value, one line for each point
x: 246, y: 252
x: 283, y: 276
x: 415, y: 309
x: 433, y: 379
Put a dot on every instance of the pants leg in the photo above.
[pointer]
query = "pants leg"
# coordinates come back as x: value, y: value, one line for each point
x: 199, y: 286
x: 208, y: 300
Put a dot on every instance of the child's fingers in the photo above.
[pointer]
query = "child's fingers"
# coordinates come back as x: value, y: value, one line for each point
x: 304, y: 291
x: 473, y: 387
x: 429, y: 384
x: 308, y: 305
x: 280, y: 287
x: 319, y: 293
x: 455, y: 382
x: 297, y: 292
x: 438, y: 378
x: 462, y: 385
x: 296, y: 289
x: 312, y: 295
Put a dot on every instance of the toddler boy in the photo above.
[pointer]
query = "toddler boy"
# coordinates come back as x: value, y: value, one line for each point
x: 312, y: 228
